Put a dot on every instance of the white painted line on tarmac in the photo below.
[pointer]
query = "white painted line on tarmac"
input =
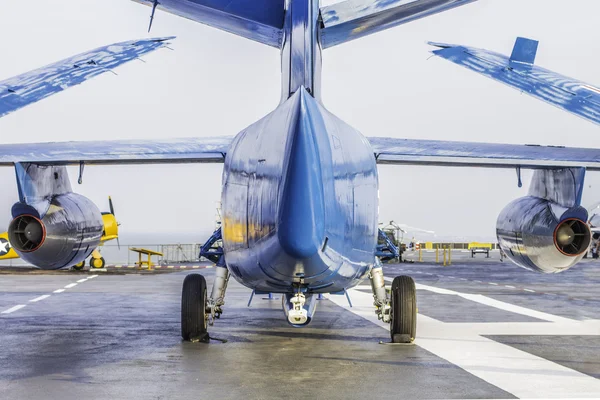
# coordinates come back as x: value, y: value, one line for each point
x: 510, y: 287
x: 517, y: 372
x: 13, y: 309
x: 70, y: 285
x: 529, y: 290
x: 39, y: 298
x: 492, y: 283
x: 59, y: 291
x: 93, y: 276
x: 478, y: 281
x: 488, y: 301
x: 462, y: 279
x: 82, y: 280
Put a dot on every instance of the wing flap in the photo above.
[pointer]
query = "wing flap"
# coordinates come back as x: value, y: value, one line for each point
x: 518, y: 71
x: 352, y: 19
x: 186, y: 150
x: 472, y: 154
x: 33, y: 86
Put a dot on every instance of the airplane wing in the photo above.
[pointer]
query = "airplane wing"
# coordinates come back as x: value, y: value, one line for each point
x: 519, y: 72
x: 471, y: 154
x: 352, y: 19
x: 258, y: 20
x: 207, y: 150
x: 387, y: 151
x: 33, y: 86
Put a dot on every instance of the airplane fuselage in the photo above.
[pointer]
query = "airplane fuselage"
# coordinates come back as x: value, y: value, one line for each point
x: 299, y: 201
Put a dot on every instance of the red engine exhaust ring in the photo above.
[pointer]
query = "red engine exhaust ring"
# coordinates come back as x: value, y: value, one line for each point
x: 17, y: 233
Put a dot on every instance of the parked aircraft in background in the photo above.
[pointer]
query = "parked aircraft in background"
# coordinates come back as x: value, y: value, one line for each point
x: 519, y: 72
x: 300, y: 186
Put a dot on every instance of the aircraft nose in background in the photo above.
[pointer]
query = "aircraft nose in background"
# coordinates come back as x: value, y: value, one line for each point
x: 301, y: 227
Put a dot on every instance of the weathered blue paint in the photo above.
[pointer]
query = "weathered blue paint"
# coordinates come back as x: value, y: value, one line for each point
x: 337, y: 200
x: 33, y: 86
x: 574, y: 96
x: 258, y: 20
x: 497, y: 155
x: 524, y: 51
x: 353, y: 19
x: 301, y: 229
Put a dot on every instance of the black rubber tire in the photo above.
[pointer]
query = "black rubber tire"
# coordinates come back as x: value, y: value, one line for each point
x: 102, y: 263
x: 403, y: 324
x: 79, y: 267
x: 193, y: 309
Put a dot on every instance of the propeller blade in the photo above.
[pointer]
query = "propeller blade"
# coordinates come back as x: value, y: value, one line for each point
x: 118, y: 243
x: 110, y: 205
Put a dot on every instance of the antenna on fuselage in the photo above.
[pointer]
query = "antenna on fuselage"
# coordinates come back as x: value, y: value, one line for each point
x: 152, y: 14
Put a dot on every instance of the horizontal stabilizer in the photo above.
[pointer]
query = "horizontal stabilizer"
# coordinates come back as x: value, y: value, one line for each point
x: 352, y: 19
x: 518, y: 71
x: 33, y: 86
x: 524, y: 51
x: 258, y: 20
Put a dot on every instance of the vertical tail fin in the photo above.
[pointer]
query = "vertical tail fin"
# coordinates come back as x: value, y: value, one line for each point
x: 524, y: 51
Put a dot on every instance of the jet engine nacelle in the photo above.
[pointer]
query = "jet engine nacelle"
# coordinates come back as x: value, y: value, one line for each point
x: 540, y: 235
x: 66, y: 234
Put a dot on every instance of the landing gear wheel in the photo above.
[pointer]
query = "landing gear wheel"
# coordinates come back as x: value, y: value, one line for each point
x: 403, y: 323
x: 194, y: 320
x: 97, y: 262
x: 79, y: 267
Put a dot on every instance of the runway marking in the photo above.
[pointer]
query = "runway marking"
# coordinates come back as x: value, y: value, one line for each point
x: 70, y: 285
x: 170, y: 267
x: 182, y: 267
x: 488, y: 301
x: 13, y: 309
x: 82, y: 280
x: 492, y: 283
x: 529, y: 290
x: 59, y: 291
x: 93, y: 276
x: 517, y: 372
x: 510, y: 287
x: 478, y: 281
x: 462, y: 279
x: 45, y: 296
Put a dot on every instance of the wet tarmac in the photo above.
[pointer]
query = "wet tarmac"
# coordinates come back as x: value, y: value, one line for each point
x: 485, y: 330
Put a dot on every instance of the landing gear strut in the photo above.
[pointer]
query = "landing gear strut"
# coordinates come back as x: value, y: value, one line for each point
x: 217, y: 295
x: 399, y: 308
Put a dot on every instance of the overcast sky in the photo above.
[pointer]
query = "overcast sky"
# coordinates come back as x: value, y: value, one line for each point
x: 215, y: 83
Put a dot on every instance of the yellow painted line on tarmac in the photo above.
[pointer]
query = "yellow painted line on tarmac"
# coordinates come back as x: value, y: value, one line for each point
x: 158, y: 267
x: 182, y: 267
x: 118, y: 266
x: 195, y: 267
x: 170, y: 267
x: 131, y: 266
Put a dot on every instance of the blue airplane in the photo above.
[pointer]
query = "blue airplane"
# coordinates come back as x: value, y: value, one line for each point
x: 300, y: 186
x: 518, y: 71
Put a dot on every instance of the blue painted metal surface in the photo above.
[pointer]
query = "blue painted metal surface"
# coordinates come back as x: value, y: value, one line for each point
x: 497, y: 155
x: 118, y: 151
x: 572, y: 95
x: 258, y: 20
x: 352, y: 19
x: 387, y: 251
x: 262, y: 251
x: 212, y: 249
x: 33, y: 86
x: 524, y: 51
